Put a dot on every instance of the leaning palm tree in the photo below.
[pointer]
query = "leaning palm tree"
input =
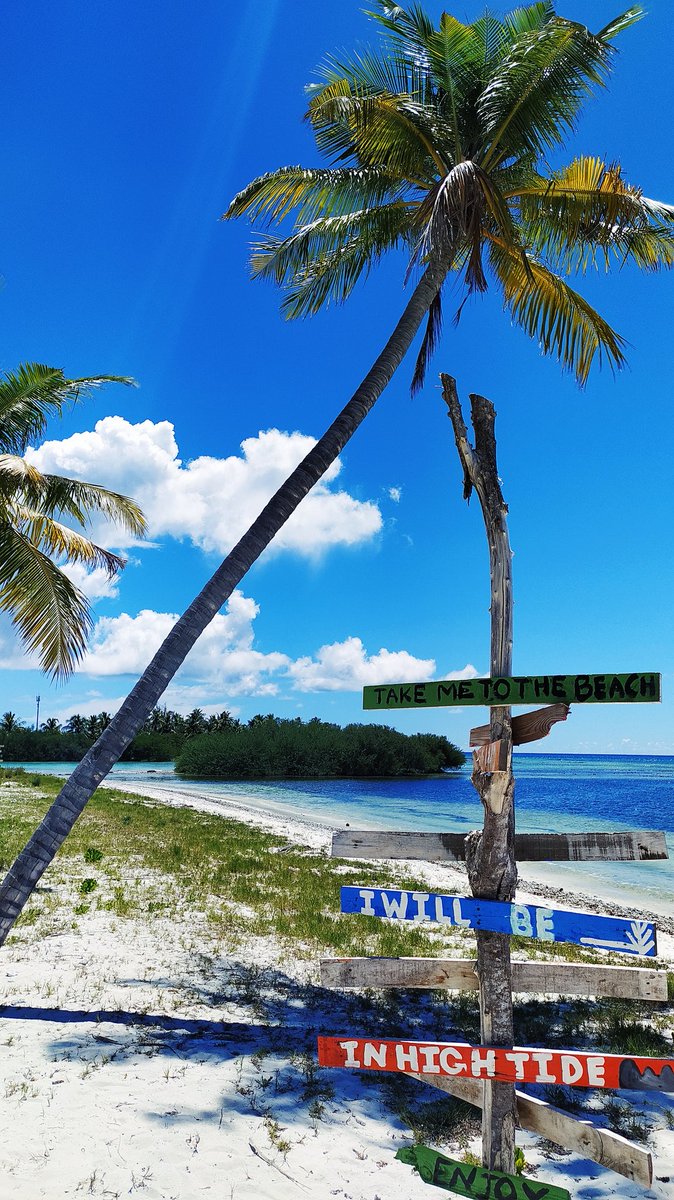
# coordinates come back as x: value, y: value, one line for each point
x: 437, y: 143
x: 50, y: 614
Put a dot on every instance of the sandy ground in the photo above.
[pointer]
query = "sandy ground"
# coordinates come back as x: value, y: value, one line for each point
x: 142, y: 1057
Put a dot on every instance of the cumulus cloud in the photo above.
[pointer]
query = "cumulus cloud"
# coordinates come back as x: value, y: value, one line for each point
x: 210, y: 501
x: 346, y: 667
x: 395, y: 493
x: 224, y: 654
x: 224, y: 661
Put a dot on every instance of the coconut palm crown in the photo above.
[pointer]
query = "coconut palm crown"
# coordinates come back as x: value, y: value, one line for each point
x: 437, y: 143
x: 50, y: 614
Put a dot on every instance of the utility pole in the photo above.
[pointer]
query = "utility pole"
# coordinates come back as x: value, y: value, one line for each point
x: 37, y: 714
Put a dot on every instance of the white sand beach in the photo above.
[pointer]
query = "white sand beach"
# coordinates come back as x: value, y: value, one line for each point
x: 142, y: 1057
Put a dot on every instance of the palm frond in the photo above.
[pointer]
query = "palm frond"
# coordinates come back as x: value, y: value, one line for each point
x: 428, y: 345
x: 35, y: 392
x: 322, y: 262
x: 588, y: 210
x: 618, y: 24
x: 310, y: 193
x: 411, y: 27
x: 553, y: 314
x: 17, y: 474
x: 372, y: 74
x: 58, y: 541
x: 534, y: 94
x: 385, y: 131
x: 51, y: 615
x: 57, y: 494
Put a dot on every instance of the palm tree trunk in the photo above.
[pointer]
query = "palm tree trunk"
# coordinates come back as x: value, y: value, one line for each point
x: 490, y: 853
x: 36, y: 856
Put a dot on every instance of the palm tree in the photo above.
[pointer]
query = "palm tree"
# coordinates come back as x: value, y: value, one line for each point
x: 437, y: 143
x: 51, y: 615
x: 51, y: 725
x: 75, y: 724
x: 8, y: 722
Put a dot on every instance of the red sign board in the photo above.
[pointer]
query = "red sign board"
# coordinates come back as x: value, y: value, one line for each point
x: 571, y: 1067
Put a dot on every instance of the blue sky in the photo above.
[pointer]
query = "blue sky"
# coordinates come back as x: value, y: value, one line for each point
x: 128, y: 129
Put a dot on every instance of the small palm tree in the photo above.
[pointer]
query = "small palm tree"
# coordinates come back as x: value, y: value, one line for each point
x: 437, y: 143
x: 51, y: 725
x: 51, y: 615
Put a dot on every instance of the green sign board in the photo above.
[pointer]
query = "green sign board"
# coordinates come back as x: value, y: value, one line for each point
x: 518, y: 689
x: 476, y: 1182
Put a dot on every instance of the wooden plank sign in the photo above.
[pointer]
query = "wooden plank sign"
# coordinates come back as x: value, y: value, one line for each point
x: 523, y: 920
x: 476, y: 1182
x: 517, y: 689
x: 572, y: 1068
x: 621, y: 846
x: 580, y: 1135
x: 458, y: 974
x: 528, y: 727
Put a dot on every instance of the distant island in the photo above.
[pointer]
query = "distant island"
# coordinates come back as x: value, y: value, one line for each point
x: 221, y: 747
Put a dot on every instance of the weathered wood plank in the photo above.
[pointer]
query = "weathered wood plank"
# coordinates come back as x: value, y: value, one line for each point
x: 466, y: 1179
x: 622, y: 846
x: 572, y: 1068
x: 492, y: 757
x: 608, y: 1149
x: 627, y: 935
x: 528, y: 727
x: 637, y: 688
x: 458, y: 974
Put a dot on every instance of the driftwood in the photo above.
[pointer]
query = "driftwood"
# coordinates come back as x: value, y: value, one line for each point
x: 528, y: 727
x: 490, y: 857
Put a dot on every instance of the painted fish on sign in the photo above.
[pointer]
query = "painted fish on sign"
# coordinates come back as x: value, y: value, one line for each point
x: 476, y: 1182
x: 572, y: 1068
x: 517, y: 689
x: 523, y: 920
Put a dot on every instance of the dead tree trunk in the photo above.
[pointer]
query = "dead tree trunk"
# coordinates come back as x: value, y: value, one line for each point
x: 490, y: 854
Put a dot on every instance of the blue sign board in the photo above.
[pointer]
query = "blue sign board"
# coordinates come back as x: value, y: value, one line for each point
x: 627, y: 935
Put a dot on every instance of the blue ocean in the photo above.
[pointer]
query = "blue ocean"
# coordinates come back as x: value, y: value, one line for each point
x: 554, y: 793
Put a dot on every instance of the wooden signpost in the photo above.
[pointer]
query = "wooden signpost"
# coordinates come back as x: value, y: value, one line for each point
x: 476, y: 1182
x: 475, y: 1072
x: 628, y: 936
x: 521, y: 1064
x: 640, y: 845
x: 516, y: 689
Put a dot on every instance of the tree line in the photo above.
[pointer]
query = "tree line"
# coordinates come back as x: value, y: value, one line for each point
x: 160, y: 739
x: 220, y: 746
x: 273, y: 748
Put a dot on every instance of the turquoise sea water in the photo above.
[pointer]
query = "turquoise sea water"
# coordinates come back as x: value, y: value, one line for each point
x: 554, y: 793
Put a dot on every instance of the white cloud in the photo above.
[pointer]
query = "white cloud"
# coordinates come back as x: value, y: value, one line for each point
x: 223, y: 656
x: 346, y: 666
x: 467, y: 672
x: 211, y: 501
x: 395, y: 494
x: 95, y: 584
